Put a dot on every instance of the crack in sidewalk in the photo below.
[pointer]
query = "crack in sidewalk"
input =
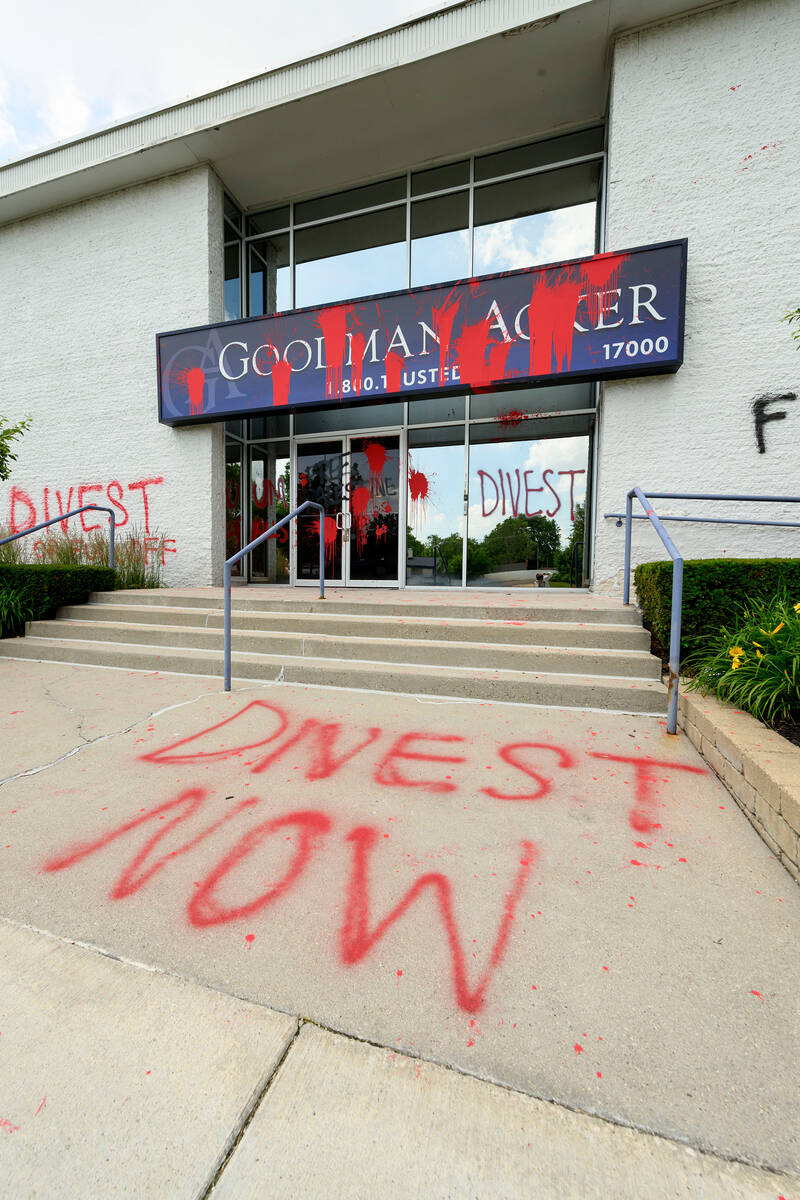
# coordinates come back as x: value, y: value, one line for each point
x: 115, y: 733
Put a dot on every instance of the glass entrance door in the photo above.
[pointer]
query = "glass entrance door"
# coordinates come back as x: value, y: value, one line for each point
x: 357, y: 480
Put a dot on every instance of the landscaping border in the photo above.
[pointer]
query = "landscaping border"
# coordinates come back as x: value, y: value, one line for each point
x: 760, y: 769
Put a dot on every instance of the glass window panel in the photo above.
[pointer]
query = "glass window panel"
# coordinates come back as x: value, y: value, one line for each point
x: 233, y: 502
x: 329, y: 420
x: 232, y: 212
x: 514, y: 407
x: 539, y: 154
x: 269, y: 426
x: 269, y: 502
x: 440, y: 239
x: 436, y: 408
x: 436, y: 179
x: 361, y: 256
x: 351, y: 200
x: 235, y: 428
x: 524, y: 495
x: 270, y: 275
x: 233, y: 284
x: 268, y: 222
x: 435, y: 506
x: 537, y: 219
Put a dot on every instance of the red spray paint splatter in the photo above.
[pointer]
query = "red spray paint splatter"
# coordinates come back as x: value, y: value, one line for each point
x: 331, y: 534
x: 551, y: 321
x: 394, y: 371
x: 443, y: 318
x: 381, y: 532
x: 753, y: 992
x: 578, y: 1048
x: 249, y: 938
x: 417, y: 485
x: 41, y: 1106
x: 333, y: 323
x: 357, y: 346
x: 376, y: 458
x: 358, y: 507
x: 357, y: 939
x: 640, y: 815
x: 601, y: 275
x: 195, y: 381
x: 281, y: 382
x: 511, y: 419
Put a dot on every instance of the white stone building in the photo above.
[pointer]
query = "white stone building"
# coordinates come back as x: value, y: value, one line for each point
x: 493, y: 136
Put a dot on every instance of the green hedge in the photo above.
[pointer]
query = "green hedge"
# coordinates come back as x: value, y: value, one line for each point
x: 31, y: 592
x: 714, y: 591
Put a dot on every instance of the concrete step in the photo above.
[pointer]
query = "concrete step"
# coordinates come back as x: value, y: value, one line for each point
x: 428, y: 627
x: 548, y: 605
x: 637, y: 664
x: 526, y: 687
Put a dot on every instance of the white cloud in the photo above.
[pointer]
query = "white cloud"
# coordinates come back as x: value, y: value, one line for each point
x: 63, y: 111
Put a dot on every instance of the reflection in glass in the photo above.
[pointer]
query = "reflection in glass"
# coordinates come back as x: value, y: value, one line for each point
x: 435, y: 506
x: 374, y: 508
x: 268, y: 222
x: 539, y: 154
x: 437, y: 179
x: 233, y: 284
x: 269, y: 502
x: 440, y: 239
x: 320, y: 477
x: 360, y: 256
x: 364, y: 416
x: 512, y: 406
x: 524, y: 496
x: 536, y: 219
x: 436, y: 408
x: 233, y: 502
x: 270, y: 275
x: 351, y: 200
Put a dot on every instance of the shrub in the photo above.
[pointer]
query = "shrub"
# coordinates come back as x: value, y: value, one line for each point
x: 138, y: 557
x: 714, y: 589
x: 29, y: 592
x: 755, y: 662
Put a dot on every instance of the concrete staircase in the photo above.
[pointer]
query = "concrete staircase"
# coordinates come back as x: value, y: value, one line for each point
x: 555, y: 647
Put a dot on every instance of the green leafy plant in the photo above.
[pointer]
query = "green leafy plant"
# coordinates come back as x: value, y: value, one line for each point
x: 9, y: 434
x: 792, y: 317
x: 15, y: 609
x: 754, y: 663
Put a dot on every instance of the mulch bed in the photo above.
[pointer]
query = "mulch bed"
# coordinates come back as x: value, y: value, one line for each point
x: 791, y: 733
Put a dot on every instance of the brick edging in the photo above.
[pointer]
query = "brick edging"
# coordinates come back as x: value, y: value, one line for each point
x: 760, y: 769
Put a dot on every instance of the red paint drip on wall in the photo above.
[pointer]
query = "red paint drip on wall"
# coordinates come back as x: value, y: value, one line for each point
x: 394, y: 371
x: 195, y: 381
x: 331, y: 533
x: 333, y: 323
x: 281, y: 382
x: 551, y: 317
x: 357, y: 346
x: 601, y: 275
x: 358, y: 507
x: 443, y: 318
x: 357, y: 939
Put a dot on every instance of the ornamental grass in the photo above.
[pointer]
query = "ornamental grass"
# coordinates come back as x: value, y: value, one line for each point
x: 138, y: 557
x: 754, y: 664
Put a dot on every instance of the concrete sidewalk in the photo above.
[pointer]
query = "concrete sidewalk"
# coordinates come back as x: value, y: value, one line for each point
x: 404, y: 893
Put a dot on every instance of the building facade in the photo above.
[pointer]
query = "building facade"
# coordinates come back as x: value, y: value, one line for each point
x: 491, y: 138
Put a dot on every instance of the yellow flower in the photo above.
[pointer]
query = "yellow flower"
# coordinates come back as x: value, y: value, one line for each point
x: 736, y: 651
x: 758, y: 644
x: 759, y: 654
x: 737, y: 662
x: 777, y: 628
x: 797, y: 607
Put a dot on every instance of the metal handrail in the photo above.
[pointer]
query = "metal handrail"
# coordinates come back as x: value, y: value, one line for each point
x: 226, y: 582
x: 74, y: 513
x: 677, y: 570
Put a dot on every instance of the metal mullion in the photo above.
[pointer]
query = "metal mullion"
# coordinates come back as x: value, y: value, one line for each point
x: 358, y: 212
x: 471, y: 215
x: 260, y: 237
x: 465, y: 534
x: 292, y: 293
x: 596, y: 156
x: 408, y: 229
x: 564, y: 412
x: 600, y: 234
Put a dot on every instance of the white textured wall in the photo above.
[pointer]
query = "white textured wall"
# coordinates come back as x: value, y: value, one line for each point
x: 705, y: 144
x: 83, y: 292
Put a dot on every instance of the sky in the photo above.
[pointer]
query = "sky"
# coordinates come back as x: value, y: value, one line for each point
x: 67, y: 68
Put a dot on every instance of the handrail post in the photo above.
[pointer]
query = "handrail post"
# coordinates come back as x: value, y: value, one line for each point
x: 626, y: 585
x: 226, y: 586
x: 322, y: 521
x: 112, y: 531
x: 675, y: 646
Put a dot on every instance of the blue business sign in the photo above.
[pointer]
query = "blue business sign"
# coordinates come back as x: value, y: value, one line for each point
x: 604, y: 317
